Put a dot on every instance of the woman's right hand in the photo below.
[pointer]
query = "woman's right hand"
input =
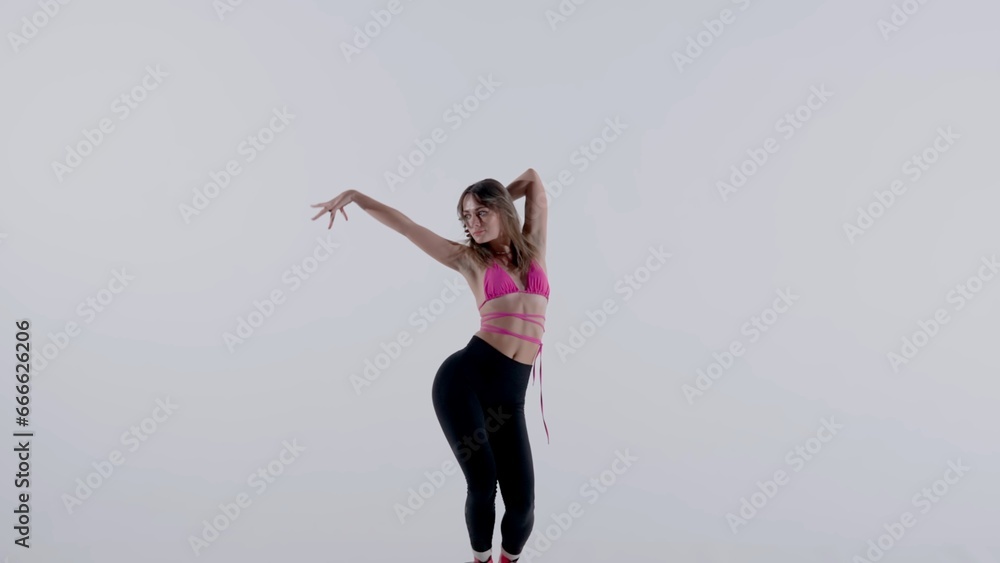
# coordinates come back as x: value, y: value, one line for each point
x: 335, y: 204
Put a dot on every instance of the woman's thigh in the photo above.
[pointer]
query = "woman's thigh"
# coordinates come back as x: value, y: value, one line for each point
x: 501, y: 392
x: 515, y: 471
x: 463, y: 420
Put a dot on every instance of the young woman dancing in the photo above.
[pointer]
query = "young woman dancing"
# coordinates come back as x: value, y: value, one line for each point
x: 479, y: 391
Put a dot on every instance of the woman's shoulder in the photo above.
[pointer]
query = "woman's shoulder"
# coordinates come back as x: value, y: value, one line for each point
x: 472, y: 266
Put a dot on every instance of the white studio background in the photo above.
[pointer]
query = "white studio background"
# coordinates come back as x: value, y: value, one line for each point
x: 866, y: 214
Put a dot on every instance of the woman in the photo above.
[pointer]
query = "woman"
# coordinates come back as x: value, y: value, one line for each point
x: 479, y: 391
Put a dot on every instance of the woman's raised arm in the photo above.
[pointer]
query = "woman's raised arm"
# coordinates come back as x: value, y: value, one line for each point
x: 536, y: 210
x: 519, y: 187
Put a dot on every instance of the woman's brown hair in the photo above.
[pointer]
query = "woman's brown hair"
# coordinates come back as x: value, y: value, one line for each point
x: 492, y: 194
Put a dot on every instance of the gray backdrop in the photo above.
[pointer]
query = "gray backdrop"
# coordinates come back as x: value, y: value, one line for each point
x: 773, y: 256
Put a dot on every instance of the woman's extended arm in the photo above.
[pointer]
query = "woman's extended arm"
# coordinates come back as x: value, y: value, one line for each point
x: 449, y: 253
x: 386, y: 215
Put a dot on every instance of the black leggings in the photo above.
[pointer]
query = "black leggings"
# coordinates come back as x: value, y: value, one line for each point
x: 478, y: 396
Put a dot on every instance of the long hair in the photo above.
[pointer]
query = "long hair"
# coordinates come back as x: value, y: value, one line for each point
x: 492, y: 194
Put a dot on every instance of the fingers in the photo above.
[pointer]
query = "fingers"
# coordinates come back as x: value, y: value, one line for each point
x: 331, y: 208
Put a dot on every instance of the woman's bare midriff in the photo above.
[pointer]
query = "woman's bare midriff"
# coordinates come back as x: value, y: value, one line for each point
x: 517, y: 349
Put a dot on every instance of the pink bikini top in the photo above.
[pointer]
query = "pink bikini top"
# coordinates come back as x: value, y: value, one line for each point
x: 497, y: 283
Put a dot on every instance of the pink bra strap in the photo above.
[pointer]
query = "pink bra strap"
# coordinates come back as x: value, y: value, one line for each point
x: 501, y: 330
x: 541, y: 401
x: 524, y: 316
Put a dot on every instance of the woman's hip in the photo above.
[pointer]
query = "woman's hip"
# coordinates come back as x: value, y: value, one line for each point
x: 485, y: 369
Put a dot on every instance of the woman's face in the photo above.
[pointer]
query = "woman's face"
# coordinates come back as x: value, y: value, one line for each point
x: 483, y: 223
